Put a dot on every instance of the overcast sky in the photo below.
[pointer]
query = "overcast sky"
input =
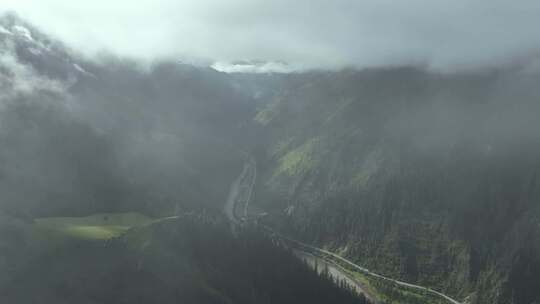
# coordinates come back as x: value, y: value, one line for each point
x: 312, y: 33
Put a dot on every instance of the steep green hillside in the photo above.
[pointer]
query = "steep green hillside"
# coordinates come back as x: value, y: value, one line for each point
x: 428, y: 178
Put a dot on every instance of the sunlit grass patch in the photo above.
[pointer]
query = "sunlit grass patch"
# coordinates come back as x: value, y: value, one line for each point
x: 94, y: 232
x: 299, y: 160
x: 95, y: 227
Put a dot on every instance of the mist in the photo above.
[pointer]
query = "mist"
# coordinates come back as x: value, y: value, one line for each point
x: 106, y: 134
x: 217, y: 152
x: 306, y: 34
x: 111, y: 133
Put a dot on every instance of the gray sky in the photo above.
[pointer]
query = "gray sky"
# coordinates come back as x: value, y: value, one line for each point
x: 308, y: 33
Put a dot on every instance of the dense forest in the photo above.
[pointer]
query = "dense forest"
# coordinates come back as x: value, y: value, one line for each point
x: 88, y: 147
x: 192, y: 259
x: 114, y: 175
x: 426, y: 177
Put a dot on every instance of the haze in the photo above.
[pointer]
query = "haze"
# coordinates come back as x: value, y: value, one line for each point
x: 305, y: 33
x: 271, y: 152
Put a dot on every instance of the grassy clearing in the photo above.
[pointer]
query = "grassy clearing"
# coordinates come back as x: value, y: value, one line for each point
x: 299, y: 160
x: 95, y: 227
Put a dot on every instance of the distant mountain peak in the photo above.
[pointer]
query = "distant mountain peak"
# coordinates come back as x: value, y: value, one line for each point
x: 253, y: 66
x: 25, y: 48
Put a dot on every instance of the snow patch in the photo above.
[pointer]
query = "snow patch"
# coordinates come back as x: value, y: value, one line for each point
x: 5, y: 31
x: 23, y: 32
x: 253, y: 67
x: 83, y: 71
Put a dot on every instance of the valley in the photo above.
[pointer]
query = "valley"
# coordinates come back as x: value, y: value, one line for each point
x: 223, y: 181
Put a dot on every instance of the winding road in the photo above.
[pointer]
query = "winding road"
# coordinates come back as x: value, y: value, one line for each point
x: 239, y: 198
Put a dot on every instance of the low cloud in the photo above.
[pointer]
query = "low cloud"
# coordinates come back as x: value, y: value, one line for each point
x: 18, y: 80
x: 319, y: 34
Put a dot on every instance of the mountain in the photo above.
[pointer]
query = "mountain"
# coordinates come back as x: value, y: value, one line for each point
x: 425, y: 177
x: 254, y: 67
x: 188, y: 259
x: 83, y: 136
x: 113, y: 175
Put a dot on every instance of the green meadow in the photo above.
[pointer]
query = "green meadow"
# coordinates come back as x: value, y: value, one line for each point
x: 96, y: 227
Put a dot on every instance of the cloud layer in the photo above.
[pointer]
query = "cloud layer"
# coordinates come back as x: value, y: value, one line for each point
x: 306, y: 33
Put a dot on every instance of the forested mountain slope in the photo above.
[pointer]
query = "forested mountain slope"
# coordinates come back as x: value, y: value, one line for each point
x: 427, y: 177
x: 191, y: 259
x: 431, y: 178
x: 81, y: 136
x: 111, y: 139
